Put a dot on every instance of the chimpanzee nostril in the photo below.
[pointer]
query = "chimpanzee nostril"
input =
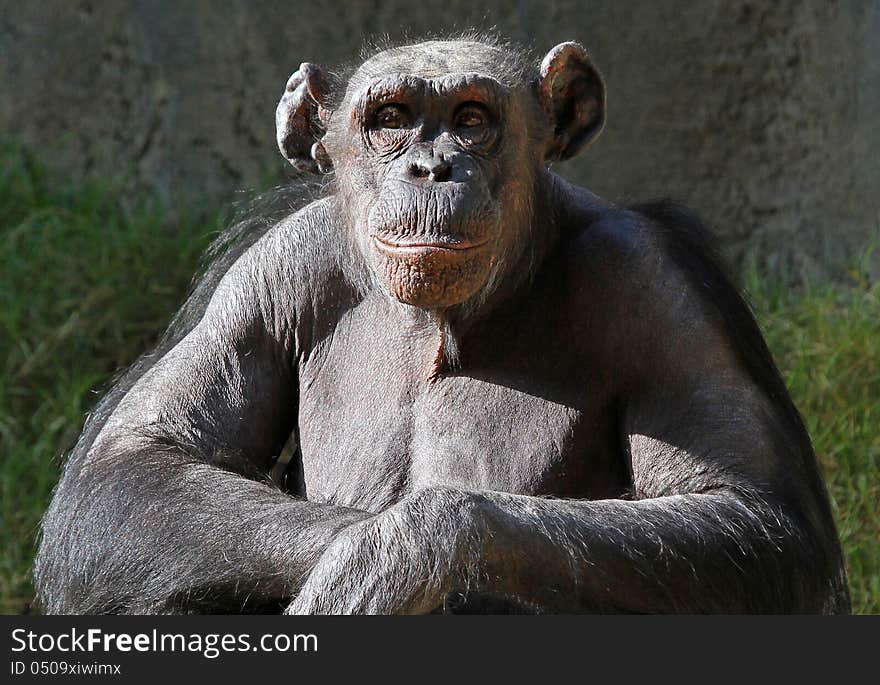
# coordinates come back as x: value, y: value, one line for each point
x: 419, y: 170
x: 432, y: 168
x: 440, y: 170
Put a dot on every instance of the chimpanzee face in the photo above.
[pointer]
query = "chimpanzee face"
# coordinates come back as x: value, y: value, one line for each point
x: 440, y: 183
x: 437, y: 149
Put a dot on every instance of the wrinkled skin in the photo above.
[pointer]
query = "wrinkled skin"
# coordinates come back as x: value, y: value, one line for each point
x: 509, y: 394
x: 425, y: 175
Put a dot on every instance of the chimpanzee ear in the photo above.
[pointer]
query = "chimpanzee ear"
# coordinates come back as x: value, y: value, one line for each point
x: 572, y: 94
x: 301, y: 120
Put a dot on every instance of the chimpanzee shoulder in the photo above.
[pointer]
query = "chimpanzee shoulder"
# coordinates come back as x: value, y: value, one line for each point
x: 648, y: 280
x: 620, y: 263
x: 689, y: 247
x: 653, y: 272
x: 655, y: 257
x: 304, y: 254
x: 305, y: 240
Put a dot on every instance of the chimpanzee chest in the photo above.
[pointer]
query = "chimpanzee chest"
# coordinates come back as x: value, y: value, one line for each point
x: 516, y: 416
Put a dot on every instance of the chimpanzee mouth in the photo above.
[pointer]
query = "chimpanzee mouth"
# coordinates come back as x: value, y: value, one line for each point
x: 452, y: 245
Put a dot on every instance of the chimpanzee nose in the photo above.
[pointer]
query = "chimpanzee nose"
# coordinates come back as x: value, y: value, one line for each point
x: 431, y: 166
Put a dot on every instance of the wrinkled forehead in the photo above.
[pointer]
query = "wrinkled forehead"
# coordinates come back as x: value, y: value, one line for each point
x: 448, y: 87
x: 435, y: 60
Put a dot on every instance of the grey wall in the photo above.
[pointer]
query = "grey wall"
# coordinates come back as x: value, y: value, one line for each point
x: 763, y: 116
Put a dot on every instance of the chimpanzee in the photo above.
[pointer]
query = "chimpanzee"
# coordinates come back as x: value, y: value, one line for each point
x: 507, y: 394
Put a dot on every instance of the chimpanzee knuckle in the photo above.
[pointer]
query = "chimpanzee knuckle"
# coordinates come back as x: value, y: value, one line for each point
x: 356, y: 542
x: 314, y: 599
x: 360, y: 573
x: 299, y: 606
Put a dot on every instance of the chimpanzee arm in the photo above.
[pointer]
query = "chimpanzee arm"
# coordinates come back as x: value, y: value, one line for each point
x: 691, y: 543
x: 726, y: 513
x: 170, y: 508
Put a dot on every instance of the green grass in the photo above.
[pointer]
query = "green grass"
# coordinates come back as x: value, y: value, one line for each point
x: 826, y: 340
x: 89, y: 277
x: 91, y: 274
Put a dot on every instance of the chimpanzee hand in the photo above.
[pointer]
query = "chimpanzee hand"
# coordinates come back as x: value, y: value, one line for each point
x: 403, y: 561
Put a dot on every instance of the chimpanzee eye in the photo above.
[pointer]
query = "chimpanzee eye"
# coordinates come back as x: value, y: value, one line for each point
x: 393, y: 116
x: 471, y: 116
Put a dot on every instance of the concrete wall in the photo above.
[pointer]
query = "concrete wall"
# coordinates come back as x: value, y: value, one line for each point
x: 762, y: 115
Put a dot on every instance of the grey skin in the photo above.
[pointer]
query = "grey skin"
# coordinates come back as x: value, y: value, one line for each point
x: 509, y: 394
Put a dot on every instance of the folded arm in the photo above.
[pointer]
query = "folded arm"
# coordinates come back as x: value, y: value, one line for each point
x: 170, y: 509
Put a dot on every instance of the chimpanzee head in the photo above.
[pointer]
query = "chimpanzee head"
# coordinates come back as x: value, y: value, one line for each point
x: 438, y: 149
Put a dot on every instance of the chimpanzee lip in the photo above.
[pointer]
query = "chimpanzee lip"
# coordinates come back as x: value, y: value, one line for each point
x: 458, y: 245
